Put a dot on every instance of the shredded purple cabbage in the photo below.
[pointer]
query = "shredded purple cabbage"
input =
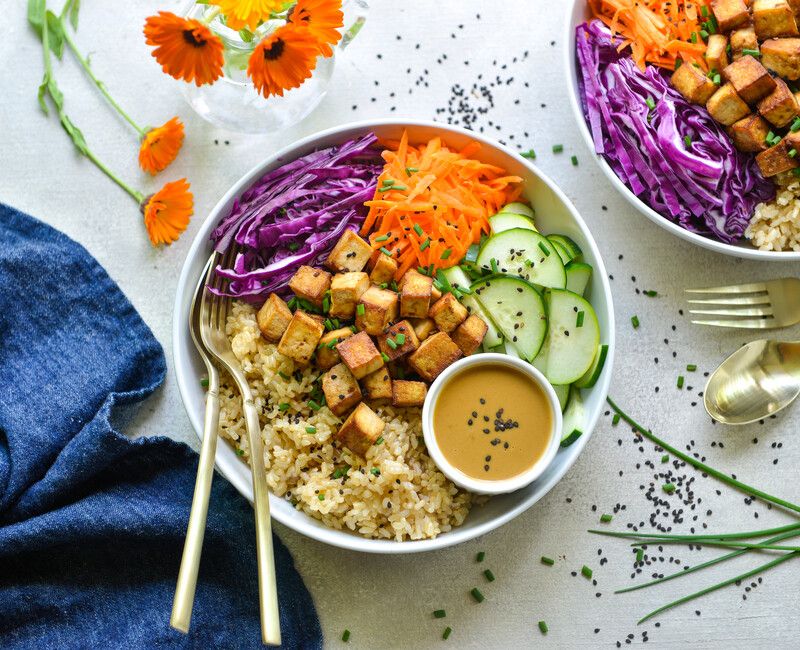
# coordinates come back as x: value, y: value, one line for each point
x: 294, y: 215
x: 707, y: 187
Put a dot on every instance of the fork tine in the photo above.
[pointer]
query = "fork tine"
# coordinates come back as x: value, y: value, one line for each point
x: 751, y: 311
x: 741, y: 300
x: 219, y: 314
x: 732, y: 288
x: 745, y: 323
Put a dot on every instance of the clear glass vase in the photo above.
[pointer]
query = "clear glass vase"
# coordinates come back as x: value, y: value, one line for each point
x: 232, y: 102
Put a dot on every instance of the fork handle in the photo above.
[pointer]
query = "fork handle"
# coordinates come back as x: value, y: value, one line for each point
x: 193, y: 546
x: 267, y: 588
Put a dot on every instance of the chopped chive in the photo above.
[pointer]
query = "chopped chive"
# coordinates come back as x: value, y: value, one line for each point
x: 795, y: 125
x: 342, y: 471
x: 379, y: 441
x: 311, y: 429
x: 530, y: 154
x: 284, y: 406
x: 579, y: 319
x: 635, y: 321
x: 385, y: 189
x: 465, y: 290
x: 418, y: 229
x: 477, y: 595
x: 292, y: 302
x: 687, y: 140
x: 360, y: 309
x: 691, y: 367
x: 669, y: 488
x: 650, y: 293
x: 385, y: 357
x: 328, y: 324
x: 586, y: 572
x: 293, y: 246
x: 402, y: 188
x: 665, y: 458
x: 321, y: 497
x: 240, y: 452
x: 331, y: 344
x: 574, y: 160
x: 313, y: 405
x: 422, y: 269
x: 489, y: 575
x: 447, y: 631
x: 346, y: 636
x: 439, y: 613
x: 529, y: 263
x: 493, y: 264
x: 679, y: 383
x: 717, y: 79
x: 446, y: 253
x: 425, y: 244
x: 438, y: 285
x: 204, y: 382
x: 383, y: 285
x: 385, y: 251
x: 751, y: 52
x: 411, y: 170
x: 651, y: 104
x: 606, y: 518
x: 326, y: 304
x: 558, y: 148
x: 704, y: 34
x: 640, y: 555
x: 400, y: 338
x: 480, y: 556
x: 770, y: 136
x: 792, y: 152
x: 693, y: 37
x: 387, y: 182
x: 678, y: 63
x: 704, y: 11
x: 391, y: 344
x: 615, y: 419
x: 384, y: 237
x: 283, y: 375
x: 543, y: 627
x: 796, y: 171
x: 544, y: 248
x: 375, y: 471
x: 548, y: 560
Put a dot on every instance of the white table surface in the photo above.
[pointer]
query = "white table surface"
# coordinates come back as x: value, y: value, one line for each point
x: 387, y: 601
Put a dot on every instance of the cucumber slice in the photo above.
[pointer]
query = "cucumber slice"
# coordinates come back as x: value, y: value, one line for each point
x: 562, y: 392
x: 506, y: 221
x: 517, y: 308
x: 511, y: 350
x: 574, y: 418
x: 518, y: 208
x: 526, y: 254
x: 570, y: 350
x: 563, y: 253
x: 578, y: 276
x: 591, y: 376
x: 459, y: 279
x: 573, y: 250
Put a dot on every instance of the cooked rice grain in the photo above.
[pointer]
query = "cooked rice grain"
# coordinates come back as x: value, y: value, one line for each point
x: 775, y: 226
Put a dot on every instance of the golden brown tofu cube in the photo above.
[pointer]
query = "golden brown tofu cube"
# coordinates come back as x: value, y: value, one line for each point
x: 773, y: 18
x: 780, y: 106
x: 726, y: 107
x: 351, y: 253
x: 749, y: 134
x: 311, y: 284
x: 415, y: 295
x: 469, y: 335
x: 273, y: 318
x: 749, y: 79
x: 300, y: 339
x: 448, y: 313
x: 742, y: 39
x: 730, y: 13
x: 377, y: 385
x: 717, y: 52
x: 341, y: 389
x: 375, y: 310
x: 434, y: 355
x: 346, y: 289
x: 327, y: 354
x: 360, y: 430
x: 408, y: 393
x: 693, y: 84
x: 359, y: 353
x: 423, y: 327
x: 404, y: 340
x: 782, y: 55
x: 383, y: 269
x: 776, y: 160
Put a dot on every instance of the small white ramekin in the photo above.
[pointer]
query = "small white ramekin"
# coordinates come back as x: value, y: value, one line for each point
x: 481, y: 486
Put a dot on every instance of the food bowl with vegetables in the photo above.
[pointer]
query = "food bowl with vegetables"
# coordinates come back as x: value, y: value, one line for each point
x: 371, y: 259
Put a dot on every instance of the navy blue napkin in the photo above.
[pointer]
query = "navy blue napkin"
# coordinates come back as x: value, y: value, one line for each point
x: 92, y: 523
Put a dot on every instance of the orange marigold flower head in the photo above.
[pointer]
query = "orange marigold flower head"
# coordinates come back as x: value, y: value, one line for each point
x: 167, y: 212
x: 186, y: 48
x: 323, y: 18
x: 248, y: 13
x: 283, y: 60
x: 160, y: 146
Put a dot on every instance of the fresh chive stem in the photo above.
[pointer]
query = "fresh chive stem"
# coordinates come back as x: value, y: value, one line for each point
x: 548, y: 560
x: 477, y: 595
x: 489, y: 575
x: 722, y: 544
x: 700, y: 538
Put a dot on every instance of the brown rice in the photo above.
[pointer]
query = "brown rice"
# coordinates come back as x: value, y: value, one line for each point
x: 775, y: 226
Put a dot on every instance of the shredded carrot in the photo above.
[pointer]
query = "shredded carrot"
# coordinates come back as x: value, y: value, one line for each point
x: 660, y: 32
x: 432, y: 203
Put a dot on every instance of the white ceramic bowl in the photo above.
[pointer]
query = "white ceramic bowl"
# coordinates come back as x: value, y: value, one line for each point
x: 578, y: 14
x: 483, y: 486
x: 554, y: 214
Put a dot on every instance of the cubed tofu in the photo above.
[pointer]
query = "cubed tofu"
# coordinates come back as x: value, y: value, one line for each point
x: 327, y: 354
x: 341, y: 389
x: 359, y: 353
x: 772, y: 18
x: 717, y: 52
x: 726, y: 107
x: 383, y: 269
x: 351, y: 253
x: 360, y: 430
x: 469, y: 335
x: 415, y: 295
x: 423, y: 327
x: 749, y: 79
x: 782, y: 56
x: 311, y: 284
x: 300, y: 339
x: 434, y: 355
x: 730, y: 13
x: 749, y: 134
x: 693, y: 84
x: 377, y: 386
x: 742, y: 39
x: 346, y: 289
x: 448, y: 313
x: 404, y: 340
x: 376, y: 309
x: 780, y: 106
x: 273, y: 318
x: 435, y: 294
x: 408, y: 393
x: 776, y: 160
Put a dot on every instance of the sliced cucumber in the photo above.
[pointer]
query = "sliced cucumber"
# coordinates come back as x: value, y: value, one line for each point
x: 526, y: 254
x: 507, y: 220
x: 458, y: 278
x: 517, y: 308
x: 562, y: 252
x: 574, y: 418
x: 570, y: 350
x: 578, y: 276
x: 518, y: 208
x: 572, y: 249
x: 562, y: 392
x: 511, y: 350
x: 591, y: 376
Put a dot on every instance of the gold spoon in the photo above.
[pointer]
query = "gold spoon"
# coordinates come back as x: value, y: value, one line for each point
x: 757, y: 380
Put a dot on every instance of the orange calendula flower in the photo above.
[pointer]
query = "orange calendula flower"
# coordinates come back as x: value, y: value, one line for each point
x: 323, y: 18
x: 167, y: 212
x: 283, y: 60
x: 160, y: 146
x: 248, y: 13
x: 185, y: 48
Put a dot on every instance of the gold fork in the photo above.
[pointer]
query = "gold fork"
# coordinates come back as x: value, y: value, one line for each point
x: 758, y: 305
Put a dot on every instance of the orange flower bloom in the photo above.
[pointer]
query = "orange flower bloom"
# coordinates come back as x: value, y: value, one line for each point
x: 323, y: 18
x: 283, y: 60
x: 186, y: 49
x: 160, y: 146
x: 248, y: 13
x: 167, y: 212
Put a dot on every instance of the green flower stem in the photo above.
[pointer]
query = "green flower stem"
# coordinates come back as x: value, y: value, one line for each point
x: 720, y: 543
x: 699, y: 538
x: 102, y: 167
x: 213, y: 13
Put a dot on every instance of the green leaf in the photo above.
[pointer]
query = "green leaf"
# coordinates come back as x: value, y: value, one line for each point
x: 42, y: 92
x: 75, y: 134
x: 36, y: 9
x: 73, y: 13
x: 56, y: 33
x: 55, y: 93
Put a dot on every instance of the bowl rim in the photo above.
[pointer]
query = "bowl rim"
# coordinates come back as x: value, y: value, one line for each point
x: 570, y: 67
x: 346, y: 539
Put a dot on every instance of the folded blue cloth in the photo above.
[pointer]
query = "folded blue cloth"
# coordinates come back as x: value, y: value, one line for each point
x: 92, y: 523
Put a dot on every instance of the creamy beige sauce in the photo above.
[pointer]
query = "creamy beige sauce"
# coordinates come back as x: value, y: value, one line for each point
x: 492, y: 422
